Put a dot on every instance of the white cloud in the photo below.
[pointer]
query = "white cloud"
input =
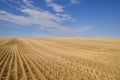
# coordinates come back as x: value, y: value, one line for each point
x: 59, y: 8
x: 65, y: 31
x: 12, y: 18
x: 44, y: 19
x: 74, y: 1
x: 28, y: 3
x: 77, y: 29
x: 49, y: 1
x: 56, y: 7
x: 20, y: 3
x: 65, y: 16
x: 38, y: 17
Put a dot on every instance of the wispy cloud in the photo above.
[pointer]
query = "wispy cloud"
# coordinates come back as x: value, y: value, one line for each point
x: 46, y: 20
x: 42, y: 18
x: 75, y: 1
x: 56, y: 7
x: 36, y: 16
x: 49, y: 1
x: 65, y: 31
x: 28, y: 3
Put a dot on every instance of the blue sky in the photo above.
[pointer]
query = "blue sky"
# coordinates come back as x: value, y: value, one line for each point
x: 60, y: 18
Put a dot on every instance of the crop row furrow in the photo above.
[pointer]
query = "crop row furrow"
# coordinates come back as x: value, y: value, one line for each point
x: 3, y: 54
x: 3, y: 63
x: 13, y: 75
x: 40, y: 65
x: 21, y: 69
x: 5, y: 68
x: 10, y: 65
x: 26, y: 66
x: 2, y: 60
x: 2, y: 50
x: 33, y: 67
x: 15, y: 68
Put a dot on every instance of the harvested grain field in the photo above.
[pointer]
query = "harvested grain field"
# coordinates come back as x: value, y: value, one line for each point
x: 59, y: 59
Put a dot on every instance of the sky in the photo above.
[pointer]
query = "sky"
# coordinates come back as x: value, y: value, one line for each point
x: 60, y: 18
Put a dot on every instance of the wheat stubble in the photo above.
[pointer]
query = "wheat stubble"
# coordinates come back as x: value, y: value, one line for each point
x: 59, y: 59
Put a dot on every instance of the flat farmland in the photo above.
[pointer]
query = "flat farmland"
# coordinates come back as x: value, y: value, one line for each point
x: 59, y: 59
